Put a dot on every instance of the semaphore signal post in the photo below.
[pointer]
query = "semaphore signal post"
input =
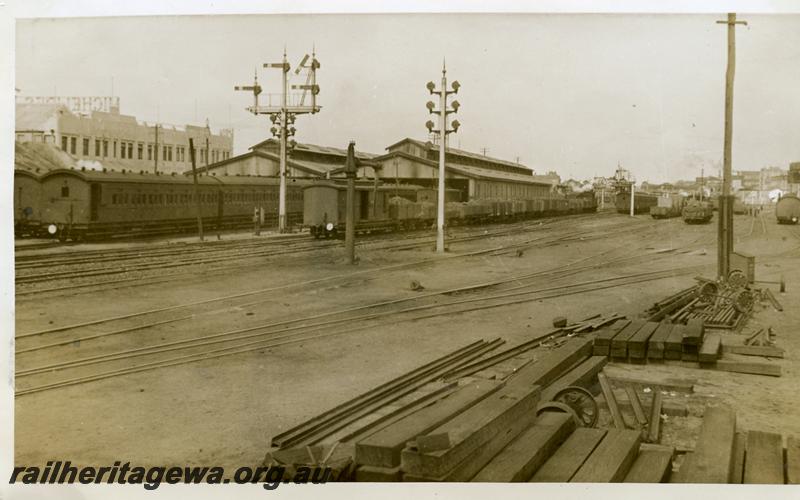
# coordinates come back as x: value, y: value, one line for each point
x: 283, y: 114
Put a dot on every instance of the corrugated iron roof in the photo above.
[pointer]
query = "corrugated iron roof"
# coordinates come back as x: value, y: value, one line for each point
x: 40, y: 158
x: 315, y: 148
x: 130, y: 176
x: 461, y: 152
x: 473, y: 171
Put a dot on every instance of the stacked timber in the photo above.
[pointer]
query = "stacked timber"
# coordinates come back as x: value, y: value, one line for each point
x: 639, y: 341
x: 461, y: 418
x: 723, y: 455
x: 438, y: 403
x: 488, y: 426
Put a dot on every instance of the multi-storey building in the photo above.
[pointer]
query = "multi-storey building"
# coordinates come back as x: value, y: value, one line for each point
x: 118, y: 141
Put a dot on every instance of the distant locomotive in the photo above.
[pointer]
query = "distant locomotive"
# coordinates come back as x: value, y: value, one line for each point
x: 78, y: 204
x: 788, y: 209
x: 697, y: 212
x: 391, y: 208
x: 738, y: 206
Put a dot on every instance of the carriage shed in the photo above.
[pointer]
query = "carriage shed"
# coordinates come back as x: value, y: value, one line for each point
x: 475, y: 176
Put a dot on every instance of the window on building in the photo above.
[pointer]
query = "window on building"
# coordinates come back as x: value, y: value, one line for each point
x: 105, y: 148
x: 96, y: 147
x: 64, y: 143
x: 149, y: 152
x: 139, y: 150
x: 122, y: 150
x: 65, y: 191
x: 73, y: 145
x: 115, y: 149
x: 130, y: 150
x: 164, y: 153
x: 85, y: 146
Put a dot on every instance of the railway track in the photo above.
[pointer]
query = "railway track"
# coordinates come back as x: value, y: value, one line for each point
x: 300, y: 285
x: 236, y: 253
x: 321, y: 330
x: 291, y: 332
x: 148, y: 251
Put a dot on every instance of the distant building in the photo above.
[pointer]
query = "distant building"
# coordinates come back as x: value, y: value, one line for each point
x: 408, y: 162
x: 711, y: 185
x: 794, y: 173
x: 108, y: 139
x: 305, y: 160
x: 751, y: 179
x: 476, y: 175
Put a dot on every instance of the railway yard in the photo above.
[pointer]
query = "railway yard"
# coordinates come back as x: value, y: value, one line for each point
x: 175, y: 352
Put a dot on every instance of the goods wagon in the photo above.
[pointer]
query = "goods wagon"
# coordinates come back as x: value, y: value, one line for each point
x: 393, y: 208
x: 667, y: 206
x: 376, y: 209
x: 27, y: 203
x: 642, y: 202
x: 788, y: 209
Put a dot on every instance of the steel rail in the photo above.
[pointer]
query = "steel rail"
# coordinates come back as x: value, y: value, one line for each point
x: 229, y: 336
x: 293, y: 338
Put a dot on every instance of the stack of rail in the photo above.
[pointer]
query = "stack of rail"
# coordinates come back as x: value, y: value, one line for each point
x: 471, y: 416
x: 725, y: 307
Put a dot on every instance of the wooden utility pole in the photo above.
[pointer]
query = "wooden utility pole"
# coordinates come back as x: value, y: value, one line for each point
x: 220, y: 209
x: 702, y: 183
x: 350, y: 219
x: 725, y: 228
x: 155, y: 152
x: 196, y: 193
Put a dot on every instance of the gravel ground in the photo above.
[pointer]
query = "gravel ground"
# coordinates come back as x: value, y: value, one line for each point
x: 223, y: 411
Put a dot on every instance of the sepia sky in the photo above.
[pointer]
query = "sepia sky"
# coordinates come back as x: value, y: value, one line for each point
x: 572, y: 93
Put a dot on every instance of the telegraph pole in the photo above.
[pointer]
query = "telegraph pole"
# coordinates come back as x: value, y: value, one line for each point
x: 283, y: 116
x: 702, y: 183
x: 155, y: 152
x: 350, y: 217
x: 195, y: 191
x: 725, y: 232
x: 443, y: 132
